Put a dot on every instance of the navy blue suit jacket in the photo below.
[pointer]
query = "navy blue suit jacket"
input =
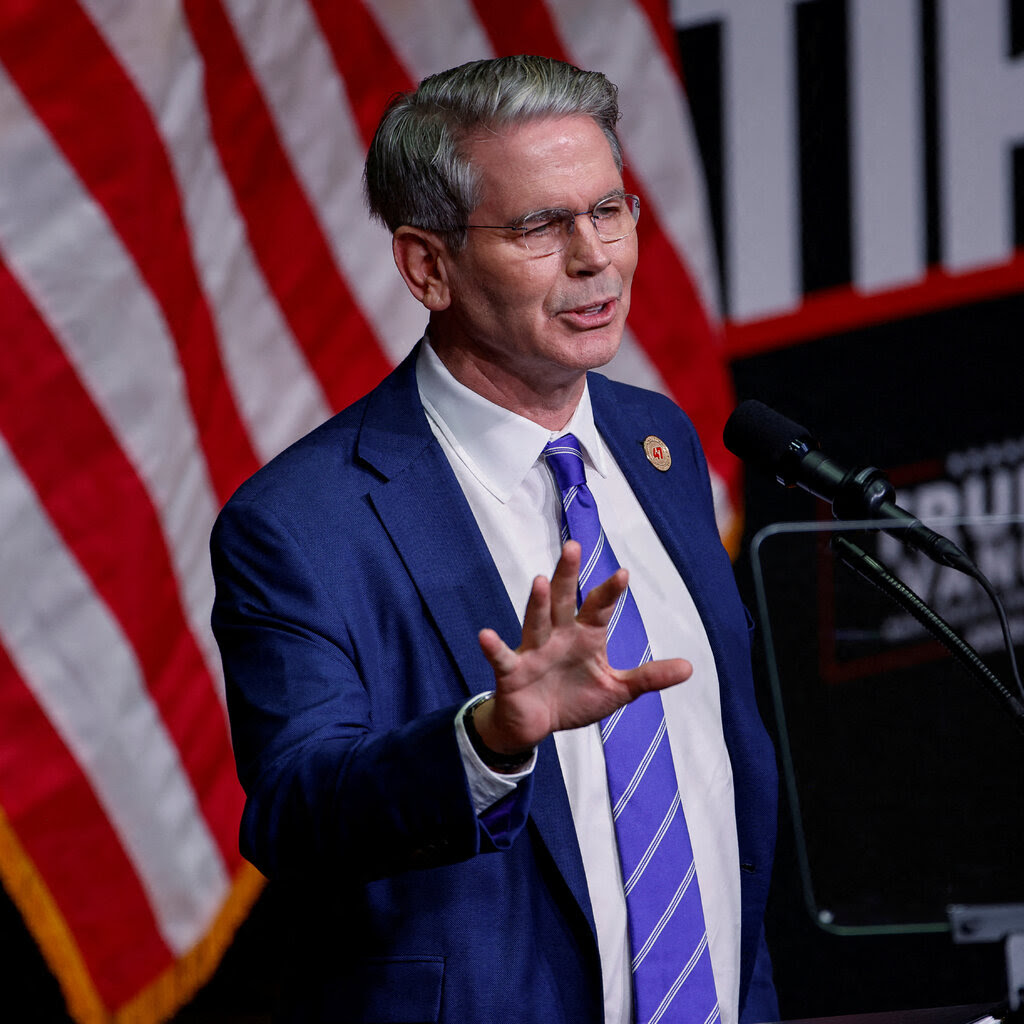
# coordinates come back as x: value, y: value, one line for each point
x: 351, y: 583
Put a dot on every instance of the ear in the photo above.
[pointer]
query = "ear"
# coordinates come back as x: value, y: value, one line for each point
x: 421, y: 258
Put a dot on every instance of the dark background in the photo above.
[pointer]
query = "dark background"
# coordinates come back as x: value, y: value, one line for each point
x: 924, y: 741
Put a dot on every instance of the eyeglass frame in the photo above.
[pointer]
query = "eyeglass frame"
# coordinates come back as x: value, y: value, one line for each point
x: 521, y: 227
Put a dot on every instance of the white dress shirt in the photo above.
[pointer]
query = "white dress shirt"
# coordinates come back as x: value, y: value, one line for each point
x: 496, y: 456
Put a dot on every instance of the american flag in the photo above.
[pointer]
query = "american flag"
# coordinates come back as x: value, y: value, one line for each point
x: 188, y: 282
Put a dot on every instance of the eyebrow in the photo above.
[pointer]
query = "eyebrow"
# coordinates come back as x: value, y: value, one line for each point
x: 523, y: 218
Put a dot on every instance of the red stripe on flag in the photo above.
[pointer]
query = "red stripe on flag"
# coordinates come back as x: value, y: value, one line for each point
x: 107, y: 134
x: 282, y: 226
x: 666, y: 313
x: 364, y: 59
x: 64, y: 830
x: 104, y: 514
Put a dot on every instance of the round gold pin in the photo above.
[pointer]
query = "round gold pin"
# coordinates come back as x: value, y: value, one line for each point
x: 657, y: 453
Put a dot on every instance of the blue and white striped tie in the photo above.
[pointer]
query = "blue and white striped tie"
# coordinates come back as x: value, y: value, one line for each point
x: 672, y: 977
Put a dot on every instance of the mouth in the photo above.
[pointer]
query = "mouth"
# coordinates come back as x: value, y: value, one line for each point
x: 595, y: 314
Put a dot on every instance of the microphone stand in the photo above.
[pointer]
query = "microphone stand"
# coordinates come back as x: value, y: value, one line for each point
x: 968, y: 922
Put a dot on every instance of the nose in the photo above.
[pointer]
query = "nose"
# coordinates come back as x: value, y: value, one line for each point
x: 586, y: 254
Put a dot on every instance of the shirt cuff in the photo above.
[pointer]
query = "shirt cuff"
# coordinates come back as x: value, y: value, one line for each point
x: 486, y: 787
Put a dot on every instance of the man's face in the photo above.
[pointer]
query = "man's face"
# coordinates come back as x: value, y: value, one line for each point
x: 516, y: 322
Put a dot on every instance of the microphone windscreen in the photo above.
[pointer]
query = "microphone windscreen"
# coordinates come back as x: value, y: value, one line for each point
x: 758, y: 434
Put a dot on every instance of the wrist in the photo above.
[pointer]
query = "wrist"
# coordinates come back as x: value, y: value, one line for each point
x: 498, y: 761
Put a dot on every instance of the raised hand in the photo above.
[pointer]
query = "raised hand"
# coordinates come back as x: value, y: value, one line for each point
x: 559, y: 677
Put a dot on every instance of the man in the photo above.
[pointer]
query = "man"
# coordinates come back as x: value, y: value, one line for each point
x: 449, y: 858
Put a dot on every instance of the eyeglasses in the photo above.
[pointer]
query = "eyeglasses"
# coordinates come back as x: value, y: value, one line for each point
x: 548, y: 231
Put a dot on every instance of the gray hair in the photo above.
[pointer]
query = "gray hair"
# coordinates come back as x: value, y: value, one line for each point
x: 416, y: 170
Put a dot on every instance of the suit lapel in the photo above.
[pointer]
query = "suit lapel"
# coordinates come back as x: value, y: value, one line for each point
x: 551, y: 814
x: 446, y: 556
x: 670, y: 507
x: 421, y: 505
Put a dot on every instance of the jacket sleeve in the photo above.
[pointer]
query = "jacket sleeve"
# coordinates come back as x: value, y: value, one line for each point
x: 326, y: 785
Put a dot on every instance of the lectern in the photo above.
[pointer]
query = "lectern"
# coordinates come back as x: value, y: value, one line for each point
x: 903, y: 768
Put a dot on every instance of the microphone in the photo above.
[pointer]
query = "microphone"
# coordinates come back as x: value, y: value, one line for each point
x: 766, y: 438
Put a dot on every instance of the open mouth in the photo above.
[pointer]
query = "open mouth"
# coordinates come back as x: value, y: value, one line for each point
x: 595, y: 312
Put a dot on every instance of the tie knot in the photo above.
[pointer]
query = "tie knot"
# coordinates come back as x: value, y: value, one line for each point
x: 564, y: 457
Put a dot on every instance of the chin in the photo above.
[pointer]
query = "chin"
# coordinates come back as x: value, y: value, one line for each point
x: 599, y: 351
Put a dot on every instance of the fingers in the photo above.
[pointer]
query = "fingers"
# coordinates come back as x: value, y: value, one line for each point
x: 537, y: 618
x: 564, y: 583
x: 656, y: 675
x: 556, y: 605
x: 597, y: 608
x: 501, y: 657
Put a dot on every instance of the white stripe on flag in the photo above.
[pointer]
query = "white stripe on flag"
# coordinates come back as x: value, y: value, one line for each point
x: 314, y: 120
x: 59, y: 245
x: 277, y: 392
x: 79, y: 666
x: 430, y: 37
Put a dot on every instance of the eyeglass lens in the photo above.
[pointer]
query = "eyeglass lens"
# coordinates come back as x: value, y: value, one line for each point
x: 549, y: 232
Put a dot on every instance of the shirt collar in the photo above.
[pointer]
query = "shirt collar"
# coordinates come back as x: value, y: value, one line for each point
x: 498, y: 446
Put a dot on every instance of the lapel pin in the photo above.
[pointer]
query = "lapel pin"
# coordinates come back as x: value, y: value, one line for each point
x: 657, y: 453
